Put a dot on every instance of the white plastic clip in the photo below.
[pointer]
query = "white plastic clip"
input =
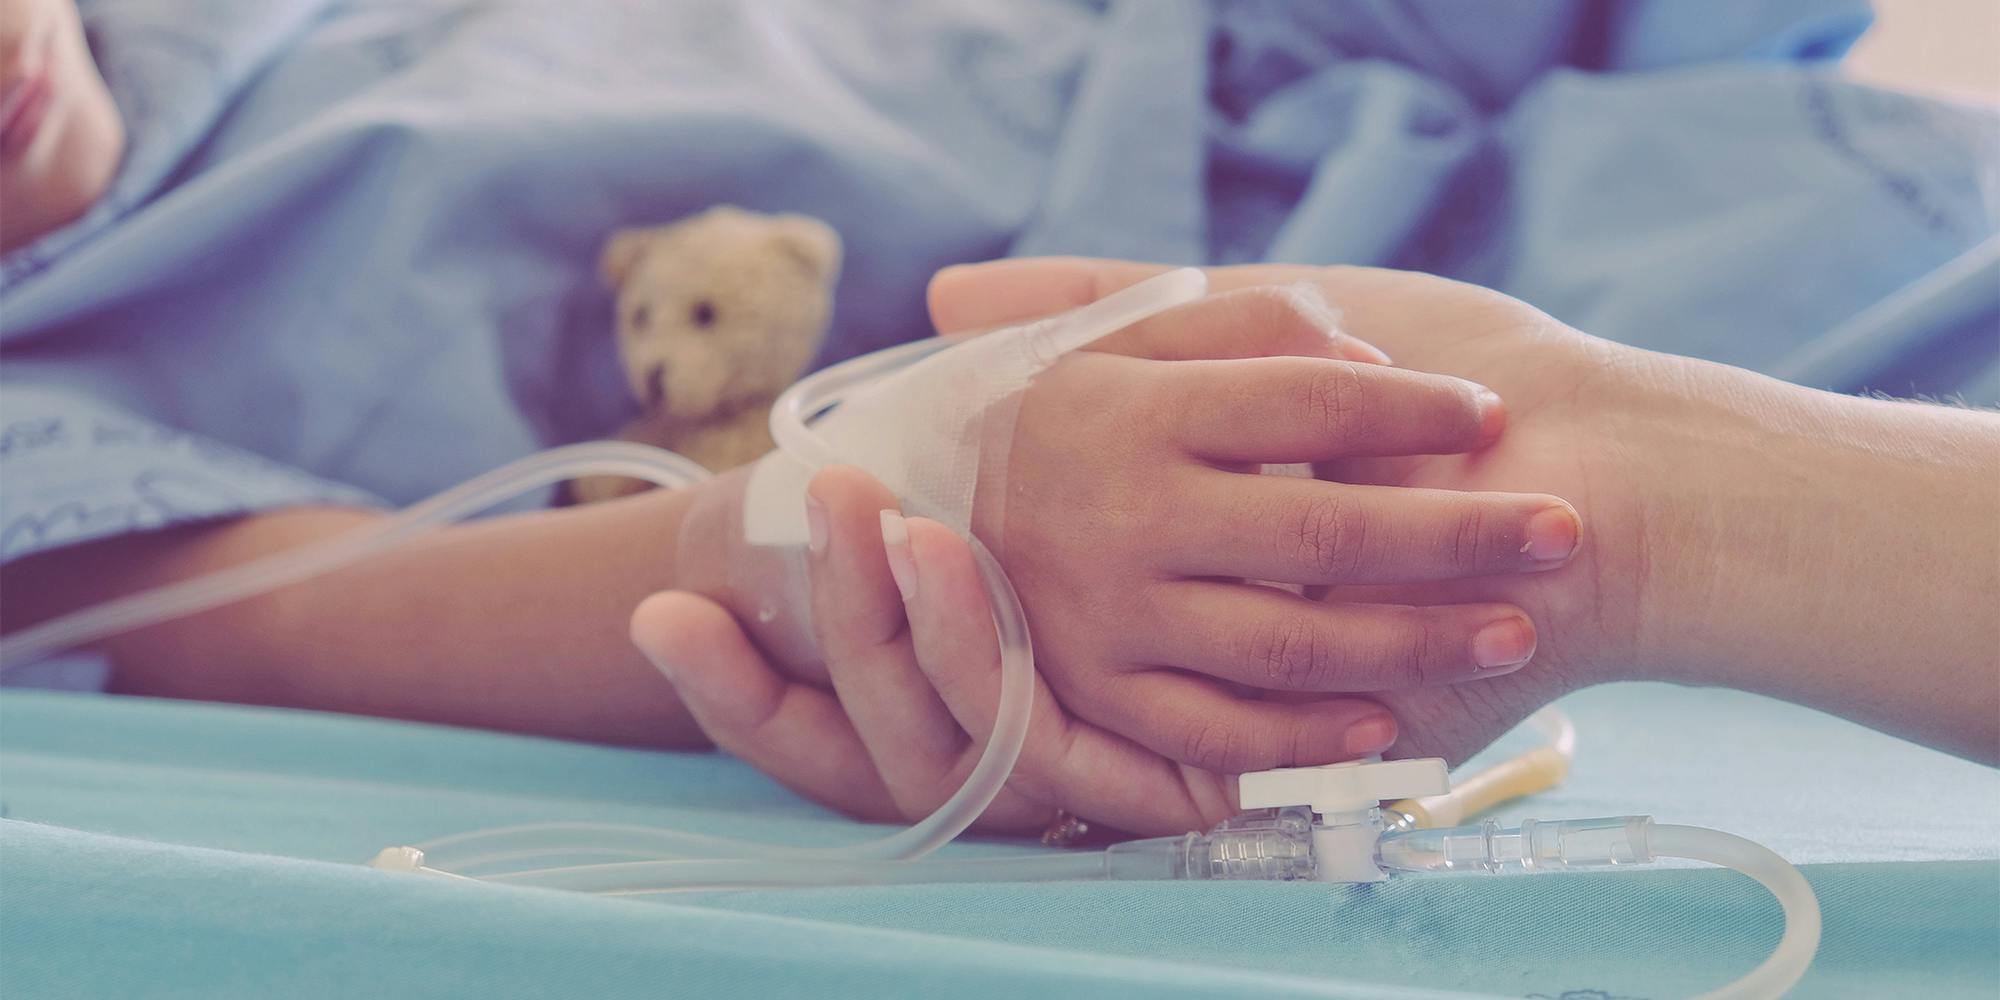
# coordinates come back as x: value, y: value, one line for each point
x: 1347, y: 800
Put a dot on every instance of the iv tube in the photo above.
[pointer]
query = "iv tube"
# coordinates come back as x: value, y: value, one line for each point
x: 798, y: 405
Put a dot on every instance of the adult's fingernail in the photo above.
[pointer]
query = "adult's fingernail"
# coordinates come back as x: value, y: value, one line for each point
x: 1361, y: 350
x: 902, y: 564
x: 647, y: 631
x: 1504, y: 645
x: 815, y: 524
x: 1373, y: 734
x: 1492, y: 416
x: 1553, y: 533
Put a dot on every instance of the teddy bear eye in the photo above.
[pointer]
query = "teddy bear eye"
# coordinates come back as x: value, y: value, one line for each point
x: 703, y: 313
x: 640, y: 317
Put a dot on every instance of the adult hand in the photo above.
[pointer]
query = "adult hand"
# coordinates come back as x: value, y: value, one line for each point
x: 1739, y: 530
x: 1549, y: 376
x: 1134, y: 515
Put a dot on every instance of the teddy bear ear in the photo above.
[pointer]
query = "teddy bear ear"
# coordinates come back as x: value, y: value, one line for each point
x: 622, y: 251
x: 812, y: 242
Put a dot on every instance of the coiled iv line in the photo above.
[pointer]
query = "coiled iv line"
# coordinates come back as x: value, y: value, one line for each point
x: 625, y: 859
x: 707, y: 862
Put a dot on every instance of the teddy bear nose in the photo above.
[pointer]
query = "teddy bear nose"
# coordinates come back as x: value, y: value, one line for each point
x: 656, y: 386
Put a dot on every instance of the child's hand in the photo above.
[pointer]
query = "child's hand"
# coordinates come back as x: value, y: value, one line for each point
x: 1133, y: 518
x: 1574, y: 426
x: 915, y: 685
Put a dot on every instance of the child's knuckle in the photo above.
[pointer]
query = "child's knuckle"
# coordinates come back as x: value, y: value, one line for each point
x: 1329, y: 536
x: 1210, y: 745
x: 1470, y: 545
x: 1408, y: 661
x: 1291, y: 654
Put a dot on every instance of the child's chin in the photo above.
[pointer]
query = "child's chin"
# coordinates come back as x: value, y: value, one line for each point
x: 93, y: 138
x: 82, y: 141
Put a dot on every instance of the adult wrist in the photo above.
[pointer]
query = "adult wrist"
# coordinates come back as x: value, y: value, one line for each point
x: 1799, y: 542
x: 1721, y: 466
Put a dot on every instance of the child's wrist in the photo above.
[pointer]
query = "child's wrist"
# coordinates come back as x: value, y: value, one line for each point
x: 762, y: 587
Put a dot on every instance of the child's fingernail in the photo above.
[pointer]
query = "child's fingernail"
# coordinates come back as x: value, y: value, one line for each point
x: 1492, y: 415
x: 1373, y: 734
x: 902, y: 564
x: 1503, y: 645
x: 815, y: 524
x: 1553, y: 533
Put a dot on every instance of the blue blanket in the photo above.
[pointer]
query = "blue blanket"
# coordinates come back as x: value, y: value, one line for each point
x: 223, y: 849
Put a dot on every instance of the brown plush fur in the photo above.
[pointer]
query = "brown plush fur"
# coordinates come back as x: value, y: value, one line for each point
x: 717, y: 314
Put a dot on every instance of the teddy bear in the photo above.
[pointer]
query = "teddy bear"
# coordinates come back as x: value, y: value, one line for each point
x: 716, y: 315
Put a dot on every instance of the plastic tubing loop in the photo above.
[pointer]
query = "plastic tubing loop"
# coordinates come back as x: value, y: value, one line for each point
x: 652, y: 859
x: 659, y: 860
x: 695, y: 859
x: 1795, y: 950
x: 706, y: 854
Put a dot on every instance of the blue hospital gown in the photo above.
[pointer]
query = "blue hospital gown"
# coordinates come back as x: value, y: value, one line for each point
x: 349, y: 256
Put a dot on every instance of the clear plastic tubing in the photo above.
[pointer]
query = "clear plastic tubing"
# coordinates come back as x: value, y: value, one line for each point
x: 165, y: 604
x: 568, y: 839
x: 704, y: 862
x: 657, y: 860
x: 1795, y: 951
x: 644, y: 877
x: 1542, y: 846
x: 630, y: 858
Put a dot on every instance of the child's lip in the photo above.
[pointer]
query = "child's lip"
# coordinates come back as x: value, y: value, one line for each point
x: 21, y: 114
x: 25, y: 102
